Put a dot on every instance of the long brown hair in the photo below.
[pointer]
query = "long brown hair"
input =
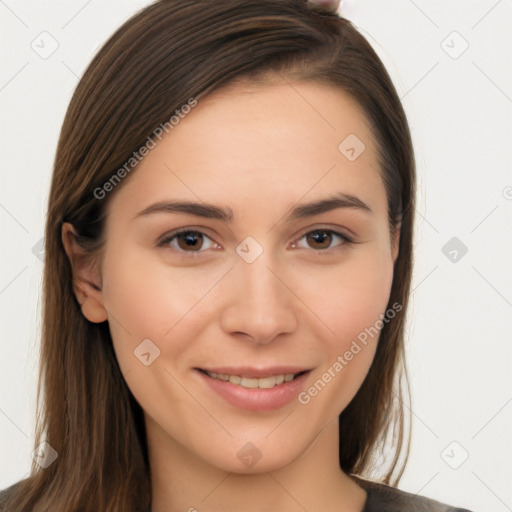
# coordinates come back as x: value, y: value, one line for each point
x: 169, y: 52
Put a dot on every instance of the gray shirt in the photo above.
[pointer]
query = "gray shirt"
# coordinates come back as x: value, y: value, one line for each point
x: 380, y: 498
x: 383, y: 498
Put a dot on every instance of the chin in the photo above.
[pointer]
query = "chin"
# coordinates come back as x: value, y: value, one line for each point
x: 249, y: 460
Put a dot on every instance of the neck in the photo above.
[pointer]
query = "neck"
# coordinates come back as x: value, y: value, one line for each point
x: 183, y: 482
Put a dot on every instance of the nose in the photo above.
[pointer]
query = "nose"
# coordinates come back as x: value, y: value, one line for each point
x: 260, y: 304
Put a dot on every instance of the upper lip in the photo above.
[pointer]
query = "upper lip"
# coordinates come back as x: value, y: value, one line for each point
x: 255, y: 373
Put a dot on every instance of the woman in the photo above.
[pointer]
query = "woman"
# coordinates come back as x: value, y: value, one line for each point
x: 228, y: 263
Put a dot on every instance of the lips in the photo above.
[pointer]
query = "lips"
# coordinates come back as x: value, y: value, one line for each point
x: 255, y: 389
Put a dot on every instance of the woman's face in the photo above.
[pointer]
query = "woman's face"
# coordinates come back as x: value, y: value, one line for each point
x: 262, y: 285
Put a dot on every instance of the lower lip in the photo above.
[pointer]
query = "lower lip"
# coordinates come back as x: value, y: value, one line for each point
x: 256, y: 399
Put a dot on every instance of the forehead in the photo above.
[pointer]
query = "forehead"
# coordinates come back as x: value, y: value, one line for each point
x: 249, y: 144
x: 276, y: 117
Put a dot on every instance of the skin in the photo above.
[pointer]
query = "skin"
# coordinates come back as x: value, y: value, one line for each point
x: 259, y: 150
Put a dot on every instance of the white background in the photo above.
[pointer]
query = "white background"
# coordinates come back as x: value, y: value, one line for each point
x: 459, y: 343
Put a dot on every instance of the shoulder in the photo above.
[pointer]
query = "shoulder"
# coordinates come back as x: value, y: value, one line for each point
x: 383, y: 498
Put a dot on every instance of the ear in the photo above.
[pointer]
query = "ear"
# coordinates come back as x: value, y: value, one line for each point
x: 86, y: 279
x: 396, y: 242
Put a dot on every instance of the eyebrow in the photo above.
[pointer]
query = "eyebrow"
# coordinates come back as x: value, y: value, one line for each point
x: 211, y: 211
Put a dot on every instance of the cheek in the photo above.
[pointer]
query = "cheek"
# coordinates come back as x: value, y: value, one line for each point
x: 350, y: 300
x: 350, y: 297
x: 150, y: 300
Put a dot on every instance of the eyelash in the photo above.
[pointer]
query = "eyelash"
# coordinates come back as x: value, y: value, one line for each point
x: 195, y: 254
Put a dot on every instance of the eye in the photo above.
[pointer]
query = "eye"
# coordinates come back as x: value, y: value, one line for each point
x: 322, y: 239
x: 195, y: 242
x: 188, y: 240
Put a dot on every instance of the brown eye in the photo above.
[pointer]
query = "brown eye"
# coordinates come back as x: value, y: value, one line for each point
x: 322, y: 239
x: 319, y: 239
x: 190, y: 240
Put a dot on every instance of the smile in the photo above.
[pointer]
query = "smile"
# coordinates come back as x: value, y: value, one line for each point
x: 255, y: 389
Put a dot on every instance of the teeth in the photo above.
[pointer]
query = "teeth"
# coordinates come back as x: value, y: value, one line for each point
x: 235, y: 379
x: 246, y: 382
